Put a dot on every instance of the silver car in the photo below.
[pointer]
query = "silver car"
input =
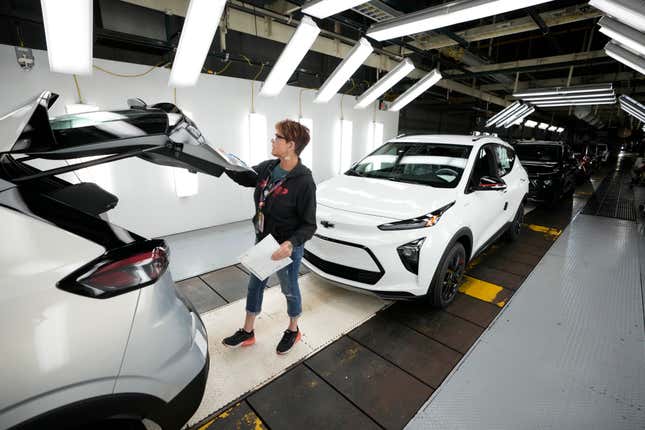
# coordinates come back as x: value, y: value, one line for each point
x: 93, y: 332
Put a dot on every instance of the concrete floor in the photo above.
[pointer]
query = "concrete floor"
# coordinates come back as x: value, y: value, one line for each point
x: 353, y: 369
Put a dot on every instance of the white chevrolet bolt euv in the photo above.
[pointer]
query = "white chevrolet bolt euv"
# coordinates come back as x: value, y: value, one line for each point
x: 405, y: 220
x: 93, y: 332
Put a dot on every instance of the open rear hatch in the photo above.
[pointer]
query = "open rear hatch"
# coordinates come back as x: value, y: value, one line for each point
x: 160, y: 134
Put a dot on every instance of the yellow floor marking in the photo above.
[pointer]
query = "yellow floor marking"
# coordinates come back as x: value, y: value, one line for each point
x: 248, y: 420
x: 485, y: 291
x: 546, y: 230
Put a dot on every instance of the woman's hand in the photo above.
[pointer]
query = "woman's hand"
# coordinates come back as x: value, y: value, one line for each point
x: 283, y: 252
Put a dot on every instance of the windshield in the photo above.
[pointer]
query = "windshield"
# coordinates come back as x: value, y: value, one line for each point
x: 542, y: 153
x: 437, y: 165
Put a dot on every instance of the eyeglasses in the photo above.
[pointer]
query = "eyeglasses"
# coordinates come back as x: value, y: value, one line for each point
x: 278, y: 137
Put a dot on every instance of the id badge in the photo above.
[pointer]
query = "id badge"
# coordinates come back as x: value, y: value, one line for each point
x: 260, y: 223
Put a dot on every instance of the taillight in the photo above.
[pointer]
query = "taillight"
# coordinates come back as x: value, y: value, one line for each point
x: 119, y: 271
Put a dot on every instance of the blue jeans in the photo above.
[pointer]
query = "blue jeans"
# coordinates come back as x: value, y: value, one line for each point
x: 288, y: 283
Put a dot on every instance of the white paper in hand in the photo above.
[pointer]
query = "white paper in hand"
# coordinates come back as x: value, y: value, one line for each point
x: 258, y: 259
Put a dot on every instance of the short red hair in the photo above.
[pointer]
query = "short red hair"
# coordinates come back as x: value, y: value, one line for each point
x: 295, y: 132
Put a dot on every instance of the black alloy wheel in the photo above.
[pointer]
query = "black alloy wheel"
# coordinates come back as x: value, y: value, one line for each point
x: 449, y: 277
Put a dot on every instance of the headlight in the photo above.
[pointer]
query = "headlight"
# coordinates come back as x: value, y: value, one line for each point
x: 423, y: 221
x: 409, y: 254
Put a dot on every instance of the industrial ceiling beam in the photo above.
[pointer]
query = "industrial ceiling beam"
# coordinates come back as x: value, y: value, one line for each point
x: 245, y: 22
x: 551, y: 18
x: 533, y: 62
x: 561, y: 82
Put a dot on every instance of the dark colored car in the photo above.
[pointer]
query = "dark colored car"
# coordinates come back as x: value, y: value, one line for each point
x: 551, y: 167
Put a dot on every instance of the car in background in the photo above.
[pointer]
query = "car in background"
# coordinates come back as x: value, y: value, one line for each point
x: 403, y: 222
x: 94, y: 333
x: 551, y: 167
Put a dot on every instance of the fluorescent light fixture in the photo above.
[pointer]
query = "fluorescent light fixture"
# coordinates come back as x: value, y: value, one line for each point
x: 560, y: 129
x: 374, y: 135
x: 543, y: 126
x: 626, y: 57
x: 562, y: 91
x: 628, y: 11
x: 633, y: 112
x: 517, y: 122
x: 552, y: 128
x: 573, y: 97
x: 587, y: 103
x: 186, y: 183
x: 385, y: 83
x: 623, y: 34
x: 296, y: 49
x: 68, y: 31
x: 258, y: 141
x: 325, y: 8
x: 575, y: 102
x: 307, y: 154
x: 345, y: 152
x: 510, y: 119
x: 344, y: 71
x: 526, y: 113
x: 416, y: 90
x: 445, y: 15
x: 503, y: 113
x: 530, y: 123
x: 80, y: 108
x: 201, y: 22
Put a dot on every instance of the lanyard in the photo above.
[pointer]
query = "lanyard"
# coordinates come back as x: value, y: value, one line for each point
x: 266, y: 193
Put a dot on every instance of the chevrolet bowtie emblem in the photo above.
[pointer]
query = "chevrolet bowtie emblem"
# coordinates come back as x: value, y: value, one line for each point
x: 327, y: 224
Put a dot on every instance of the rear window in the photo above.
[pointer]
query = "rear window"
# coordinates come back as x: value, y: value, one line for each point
x: 543, y: 153
x: 434, y: 164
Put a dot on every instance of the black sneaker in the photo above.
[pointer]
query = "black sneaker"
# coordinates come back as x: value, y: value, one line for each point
x: 289, y: 339
x: 240, y: 338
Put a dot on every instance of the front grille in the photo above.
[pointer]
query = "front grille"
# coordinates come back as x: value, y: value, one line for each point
x: 345, y: 272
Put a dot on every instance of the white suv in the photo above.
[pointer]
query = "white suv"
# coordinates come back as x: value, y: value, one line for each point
x: 93, y: 332
x: 404, y: 221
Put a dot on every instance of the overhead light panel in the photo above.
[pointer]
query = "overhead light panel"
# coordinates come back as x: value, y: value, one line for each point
x: 543, y: 126
x: 445, y: 15
x: 628, y: 11
x: 201, y: 22
x: 632, y: 107
x: 565, y: 91
x: 385, y: 83
x: 68, y: 32
x: 573, y: 97
x: 344, y: 71
x: 415, y: 90
x: 626, y: 57
x: 530, y: 123
x: 577, y: 102
x: 510, y: 119
x: 625, y: 35
x: 552, y: 128
x: 291, y: 56
x: 325, y: 8
x: 586, y: 103
x: 503, y: 113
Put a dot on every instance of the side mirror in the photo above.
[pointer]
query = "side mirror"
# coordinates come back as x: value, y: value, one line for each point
x: 488, y: 183
x: 137, y: 103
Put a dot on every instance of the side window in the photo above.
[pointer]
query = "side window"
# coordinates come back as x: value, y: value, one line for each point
x: 505, y: 159
x: 484, y: 164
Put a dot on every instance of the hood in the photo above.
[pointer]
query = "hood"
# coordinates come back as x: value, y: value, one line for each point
x: 383, y: 198
x: 535, y: 168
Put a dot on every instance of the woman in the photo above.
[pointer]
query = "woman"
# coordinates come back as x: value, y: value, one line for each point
x: 285, y: 203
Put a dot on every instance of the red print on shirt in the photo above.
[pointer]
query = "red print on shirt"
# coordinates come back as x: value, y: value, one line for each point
x: 281, y: 191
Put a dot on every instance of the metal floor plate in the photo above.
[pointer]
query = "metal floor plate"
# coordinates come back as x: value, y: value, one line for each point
x: 575, y: 334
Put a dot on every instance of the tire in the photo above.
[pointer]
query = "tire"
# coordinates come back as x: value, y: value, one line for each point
x: 448, y: 277
x: 513, y: 233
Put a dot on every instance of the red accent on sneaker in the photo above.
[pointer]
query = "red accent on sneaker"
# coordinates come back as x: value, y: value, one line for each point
x: 248, y: 342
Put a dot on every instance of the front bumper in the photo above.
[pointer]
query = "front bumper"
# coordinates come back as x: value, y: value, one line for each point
x: 371, y: 265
